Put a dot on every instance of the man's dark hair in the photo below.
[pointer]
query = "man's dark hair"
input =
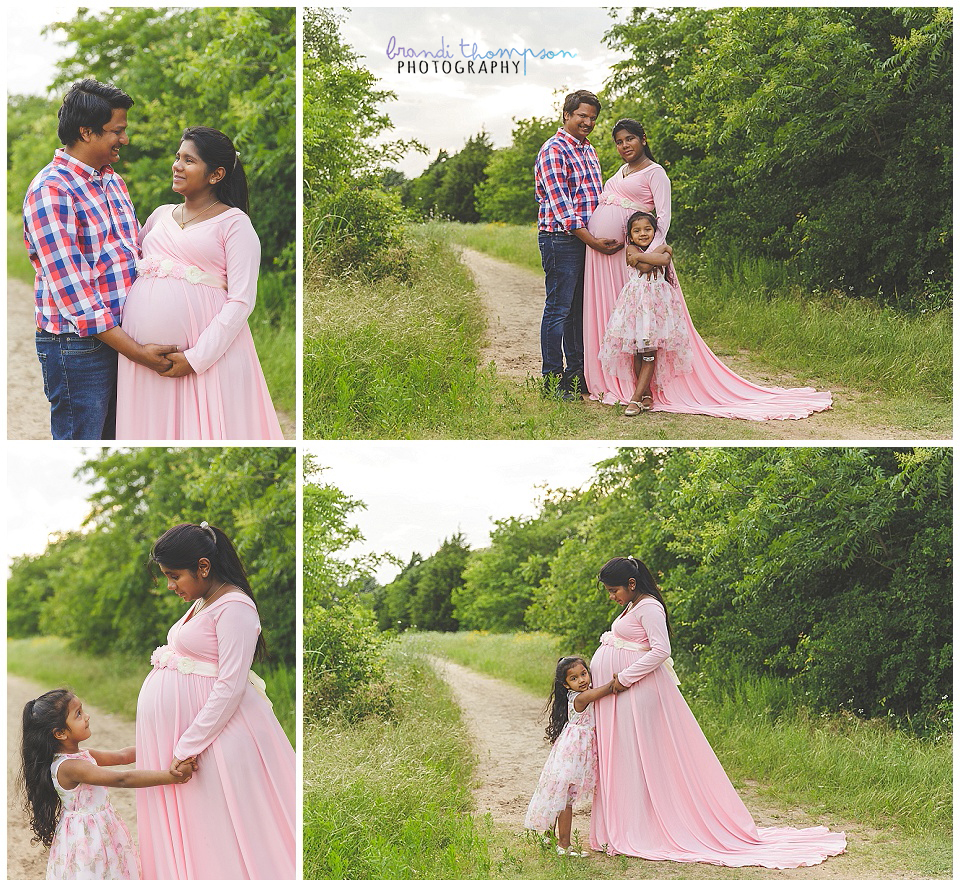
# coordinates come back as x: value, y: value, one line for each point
x: 578, y: 98
x: 88, y: 103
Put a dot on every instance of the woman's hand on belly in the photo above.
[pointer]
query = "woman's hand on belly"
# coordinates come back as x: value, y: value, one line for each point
x: 180, y: 366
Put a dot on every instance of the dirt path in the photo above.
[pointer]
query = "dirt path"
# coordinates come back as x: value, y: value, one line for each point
x: 507, y: 731
x: 28, y: 413
x: 26, y: 861
x: 513, y: 300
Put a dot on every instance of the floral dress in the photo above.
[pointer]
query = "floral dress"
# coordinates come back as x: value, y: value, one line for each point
x: 570, y: 772
x: 91, y: 843
x: 648, y: 315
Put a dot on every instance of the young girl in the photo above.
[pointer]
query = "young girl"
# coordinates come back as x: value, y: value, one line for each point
x: 67, y: 799
x: 570, y: 772
x: 647, y: 320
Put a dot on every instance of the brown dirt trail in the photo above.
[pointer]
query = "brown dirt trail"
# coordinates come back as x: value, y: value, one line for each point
x: 513, y: 301
x: 506, y: 726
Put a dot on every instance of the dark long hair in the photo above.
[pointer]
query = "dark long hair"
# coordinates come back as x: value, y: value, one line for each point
x: 216, y: 150
x: 557, y: 703
x: 181, y: 548
x: 38, y: 746
x: 634, y: 127
x: 618, y: 571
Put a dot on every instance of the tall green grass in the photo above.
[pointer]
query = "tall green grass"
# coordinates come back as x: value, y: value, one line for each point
x: 390, y: 799
x: 112, y: 681
x: 400, y: 357
x: 516, y: 244
x: 274, y: 326
x: 862, y: 770
x: 753, y: 304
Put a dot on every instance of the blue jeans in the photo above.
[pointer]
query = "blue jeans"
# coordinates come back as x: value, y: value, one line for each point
x: 561, y: 330
x: 80, y: 381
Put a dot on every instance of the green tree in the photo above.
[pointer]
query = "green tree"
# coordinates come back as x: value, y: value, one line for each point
x: 500, y: 581
x: 97, y: 589
x: 817, y: 136
x: 507, y: 192
x: 342, y: 649
x: 228, y: 67
x: 438, y: 577
x: 448, y: 186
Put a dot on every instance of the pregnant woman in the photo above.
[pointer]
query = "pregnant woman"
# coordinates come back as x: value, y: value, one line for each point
x: 202, y: 701
x: 662, y: 793
x: 197, y: 285
x: 705, y: 385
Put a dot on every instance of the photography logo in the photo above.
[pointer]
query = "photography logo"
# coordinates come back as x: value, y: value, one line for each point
x: 467, y: 57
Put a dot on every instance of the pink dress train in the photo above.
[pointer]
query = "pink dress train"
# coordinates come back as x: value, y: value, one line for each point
x: 236, y: 818
x: 196, y: 288
x: 710, y: 388
x: 662, y: 793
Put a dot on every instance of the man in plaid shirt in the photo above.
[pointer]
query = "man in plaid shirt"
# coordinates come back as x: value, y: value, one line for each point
x: 81, y: 232
x: 568, y: 185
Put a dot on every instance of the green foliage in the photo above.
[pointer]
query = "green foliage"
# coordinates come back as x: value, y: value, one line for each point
x: 499, y: 582
x: 360, y: 229
x: 448, y: 187
x: 817, y: 136
x: 422, y: 595
x: 822, y: 568
x: 96, y: 587
x: 506, y: 193
x: 342, y: 650
x: 354, y: 223
x: 230, y: 68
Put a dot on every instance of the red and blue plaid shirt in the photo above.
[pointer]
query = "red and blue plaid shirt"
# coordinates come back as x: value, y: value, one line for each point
x: 568, y: 181
x: 81, y: 232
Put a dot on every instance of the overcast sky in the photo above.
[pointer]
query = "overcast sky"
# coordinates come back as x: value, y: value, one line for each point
x: 43, y: 496
x: 418, y: 493
x: 444, y: 110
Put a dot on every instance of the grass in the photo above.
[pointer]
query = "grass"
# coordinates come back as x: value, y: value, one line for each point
x: 399, y: 358
x: 752, y: 306
x: 391, y: 799
x: 112, y: 681
x: 861, y: 770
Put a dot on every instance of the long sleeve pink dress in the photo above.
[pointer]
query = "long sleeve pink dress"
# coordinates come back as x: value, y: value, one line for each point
x: 710, y: 387
x: 662, y: 793
x: 235, y: 819
x: 196, y: 288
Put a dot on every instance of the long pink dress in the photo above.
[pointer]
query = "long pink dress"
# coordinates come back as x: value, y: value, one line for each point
x: 196, y: 288
x: 710, y: 388
x: 235, y: 820
x: 662, y: 793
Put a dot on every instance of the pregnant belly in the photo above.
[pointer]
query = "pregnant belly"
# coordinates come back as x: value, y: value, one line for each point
x: 609, y: 221
x: 168, y: 311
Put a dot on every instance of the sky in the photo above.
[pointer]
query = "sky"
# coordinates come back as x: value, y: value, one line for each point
x: 43, y: 496
x: 443, y: 110
x: 31, y: 56
x: 421, y: 492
